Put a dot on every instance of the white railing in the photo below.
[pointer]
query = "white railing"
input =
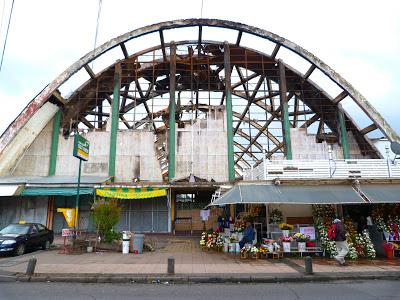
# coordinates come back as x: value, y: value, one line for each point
x: 324, y: 169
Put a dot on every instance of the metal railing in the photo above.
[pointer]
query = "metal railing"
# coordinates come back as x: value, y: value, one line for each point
x: 324, y: 169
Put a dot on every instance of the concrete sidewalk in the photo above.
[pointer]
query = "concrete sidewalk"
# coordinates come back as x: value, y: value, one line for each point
x: 191, y: 264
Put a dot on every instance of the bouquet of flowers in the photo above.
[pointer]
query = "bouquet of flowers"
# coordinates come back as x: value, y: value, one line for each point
x: 220, y: 240
x: 254, y: 250
x: 263, y: 250
x: 245, y: 250
x: 276, y: 216
x: 286, y: 239
x: 285, y: 226
x: 239, y: 226
x: 301, y: 238
x: 203, y: 239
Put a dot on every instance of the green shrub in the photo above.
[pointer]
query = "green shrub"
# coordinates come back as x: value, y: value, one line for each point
x: 106, y: 214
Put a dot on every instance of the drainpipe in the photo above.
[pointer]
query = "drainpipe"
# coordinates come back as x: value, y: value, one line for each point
x: 285, y: 111
x: 54, y: 143
x: 343, y: 133
x: 388, y: 161
x: 114, y: 120
x: 229, y: 114
x: 172, y: 104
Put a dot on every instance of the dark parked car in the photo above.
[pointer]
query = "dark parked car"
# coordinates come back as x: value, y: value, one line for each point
x: 17, y: 238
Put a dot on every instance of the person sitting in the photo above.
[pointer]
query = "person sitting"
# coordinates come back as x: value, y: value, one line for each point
x: 248, y: 235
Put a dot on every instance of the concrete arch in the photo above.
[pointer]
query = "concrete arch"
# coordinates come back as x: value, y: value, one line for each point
x: 46, y: 95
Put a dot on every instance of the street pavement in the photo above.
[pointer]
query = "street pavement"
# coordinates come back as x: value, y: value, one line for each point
x: 365, y: 290
x: 190, y: 262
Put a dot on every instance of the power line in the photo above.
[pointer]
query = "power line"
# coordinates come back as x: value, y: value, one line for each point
x: 5, y: 41
x: 97, y: 26
x: 2, y: 16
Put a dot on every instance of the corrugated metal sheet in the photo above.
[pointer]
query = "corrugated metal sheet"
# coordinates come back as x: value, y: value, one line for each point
x: 382, y: 193
x: 263, y: 193
x: 55, y: 191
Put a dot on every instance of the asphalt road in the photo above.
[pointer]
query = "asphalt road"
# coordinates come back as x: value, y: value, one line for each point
x: 335, y: 290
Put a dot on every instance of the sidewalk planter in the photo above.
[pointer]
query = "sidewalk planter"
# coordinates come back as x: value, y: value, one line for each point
x: 286, y: 246
x: 285, y: 233
x: 301, y: 246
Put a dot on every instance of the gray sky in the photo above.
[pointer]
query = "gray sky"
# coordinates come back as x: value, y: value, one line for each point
x: 358, y: 39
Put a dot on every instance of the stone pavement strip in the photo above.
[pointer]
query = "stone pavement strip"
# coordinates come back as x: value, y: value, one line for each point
x: 190, y: 262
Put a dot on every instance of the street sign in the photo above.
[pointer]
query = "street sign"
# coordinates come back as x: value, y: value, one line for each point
x: 81, y: 147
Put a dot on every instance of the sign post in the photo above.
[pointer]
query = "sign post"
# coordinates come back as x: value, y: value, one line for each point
x: 81, y: 151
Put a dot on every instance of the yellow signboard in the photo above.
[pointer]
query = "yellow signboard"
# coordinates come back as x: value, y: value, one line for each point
x: 131, y: 193
x: 69, y: 215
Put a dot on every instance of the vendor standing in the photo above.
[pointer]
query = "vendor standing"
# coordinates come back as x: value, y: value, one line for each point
x: 248, y: 235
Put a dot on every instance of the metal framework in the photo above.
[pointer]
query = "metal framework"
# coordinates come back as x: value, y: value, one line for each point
x: 267, y: 95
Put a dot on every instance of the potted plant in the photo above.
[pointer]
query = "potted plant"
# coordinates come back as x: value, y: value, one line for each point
x: 286, y: 228
x: 301, y: 240
x: 286, y: 243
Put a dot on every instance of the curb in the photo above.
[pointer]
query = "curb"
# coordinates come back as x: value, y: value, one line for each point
x: 187, y: 279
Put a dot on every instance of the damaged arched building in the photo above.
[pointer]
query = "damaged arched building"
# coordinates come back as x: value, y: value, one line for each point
x: 174, y: 111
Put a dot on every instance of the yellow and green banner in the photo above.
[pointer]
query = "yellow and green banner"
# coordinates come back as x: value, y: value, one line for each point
x: 131, y: 193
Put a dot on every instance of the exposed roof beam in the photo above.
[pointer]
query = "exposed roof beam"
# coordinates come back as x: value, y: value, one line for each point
x: 162, y: 45
x: 368, y: 129
x: 124, y: 51
x: 340, y: 97
x: 309, y: 71
x: 275, y: 52
x: 199, y: 40
x: 89, y: 71
x: 239, y: 38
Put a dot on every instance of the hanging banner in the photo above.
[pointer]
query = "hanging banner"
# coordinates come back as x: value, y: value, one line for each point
x: 131, y: 193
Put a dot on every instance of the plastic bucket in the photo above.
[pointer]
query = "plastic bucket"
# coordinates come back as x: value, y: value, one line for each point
x: 138, y: 239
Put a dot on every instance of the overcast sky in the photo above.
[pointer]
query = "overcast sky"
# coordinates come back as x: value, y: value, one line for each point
x: 358, y: 39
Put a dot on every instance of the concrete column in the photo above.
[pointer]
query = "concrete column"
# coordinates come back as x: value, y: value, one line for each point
x: 343, y: 133
x: 114, y: 120
x: 172, y: 108
x: 54, y: 142
x: 285, y: 111
x: 229, y: 114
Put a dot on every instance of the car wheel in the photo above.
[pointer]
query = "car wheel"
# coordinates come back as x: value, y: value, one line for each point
x: 20, y: 249
x: 46, y: 245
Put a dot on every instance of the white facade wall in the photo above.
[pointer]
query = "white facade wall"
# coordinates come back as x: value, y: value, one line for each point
x: 201, y: 148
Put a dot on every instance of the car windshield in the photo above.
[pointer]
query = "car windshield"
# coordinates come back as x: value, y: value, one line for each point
x: 15, y: 229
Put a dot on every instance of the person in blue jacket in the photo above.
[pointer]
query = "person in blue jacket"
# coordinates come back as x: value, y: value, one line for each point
x: 248, y: 235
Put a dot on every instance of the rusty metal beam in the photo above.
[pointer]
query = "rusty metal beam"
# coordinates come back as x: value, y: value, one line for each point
x: 250, y: 101
x: 163, y: 45
x: 340, y: 97
x: 275, y: 52
x: 124, y: 51
x: 239, y: 38
x: 309, y: 71
x: 89, y: 71
x: 199, y: 40
x: 368, y: 129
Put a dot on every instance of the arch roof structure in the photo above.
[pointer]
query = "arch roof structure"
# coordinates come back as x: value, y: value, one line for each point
x: 199, y: 64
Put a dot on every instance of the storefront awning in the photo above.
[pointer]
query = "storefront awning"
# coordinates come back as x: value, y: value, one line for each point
x: 131, y: 193
x: 382, y: 193
x: 264, y: 194
x: 55, y: 191
x: 10, y: 190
